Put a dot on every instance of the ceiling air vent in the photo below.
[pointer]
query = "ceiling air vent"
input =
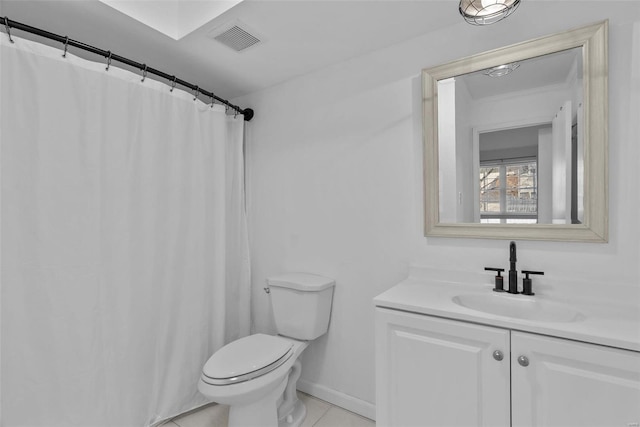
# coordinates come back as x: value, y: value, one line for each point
x: 236, y: 36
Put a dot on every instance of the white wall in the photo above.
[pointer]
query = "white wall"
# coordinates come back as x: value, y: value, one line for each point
x: 448, y: 168
x: 335, y: 184
x: 464, y: 152
x: 545, y: 184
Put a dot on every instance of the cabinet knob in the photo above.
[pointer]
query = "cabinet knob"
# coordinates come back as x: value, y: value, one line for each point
x: 523, y: 361
x: 498, y: 355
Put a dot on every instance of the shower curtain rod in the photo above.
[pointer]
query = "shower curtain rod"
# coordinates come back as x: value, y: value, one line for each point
x: 8, y: 23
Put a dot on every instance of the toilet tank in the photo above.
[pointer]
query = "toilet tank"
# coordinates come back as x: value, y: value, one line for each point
x: 301, y: 304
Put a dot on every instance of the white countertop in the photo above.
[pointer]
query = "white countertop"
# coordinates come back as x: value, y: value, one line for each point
x: 602, y: 322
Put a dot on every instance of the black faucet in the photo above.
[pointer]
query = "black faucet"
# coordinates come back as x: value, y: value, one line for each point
x: 513, y: 273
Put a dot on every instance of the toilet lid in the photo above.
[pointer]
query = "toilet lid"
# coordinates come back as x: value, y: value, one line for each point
x: 246, y: 358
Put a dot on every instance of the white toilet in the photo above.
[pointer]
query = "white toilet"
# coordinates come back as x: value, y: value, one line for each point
x: 257, y: 375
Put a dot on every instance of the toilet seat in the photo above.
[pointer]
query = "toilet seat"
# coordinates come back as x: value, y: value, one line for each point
x: 246, y: 359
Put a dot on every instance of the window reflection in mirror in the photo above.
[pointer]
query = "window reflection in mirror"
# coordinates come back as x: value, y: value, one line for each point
x: 509, y: 191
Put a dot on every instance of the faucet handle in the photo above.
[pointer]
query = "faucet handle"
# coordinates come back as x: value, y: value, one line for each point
x: 526, y: 282
x: 499, y: 281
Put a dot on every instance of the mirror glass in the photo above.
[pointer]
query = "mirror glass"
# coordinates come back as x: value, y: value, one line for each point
x: 516, y: 141
x: 514, y: 153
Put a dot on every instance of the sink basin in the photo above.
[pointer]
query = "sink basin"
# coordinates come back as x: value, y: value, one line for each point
x: 518, y: 306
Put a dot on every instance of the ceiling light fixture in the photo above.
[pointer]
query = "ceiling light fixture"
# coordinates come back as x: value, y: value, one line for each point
x: 501, y: 70
x: 485, y: 12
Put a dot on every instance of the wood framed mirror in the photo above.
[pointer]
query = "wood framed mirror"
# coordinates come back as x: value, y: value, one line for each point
x: 516, y: 141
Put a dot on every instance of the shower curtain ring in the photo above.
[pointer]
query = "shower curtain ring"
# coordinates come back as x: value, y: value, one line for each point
x: 213, y: 99
x: 6, y: 26
x: 66, y: 45
x: 195, y: 93
x: 144, y: 73
x: 236, y: 114
x: 173, y: 84
x: 108, y: 61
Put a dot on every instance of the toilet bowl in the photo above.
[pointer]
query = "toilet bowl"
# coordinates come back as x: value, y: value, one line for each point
x: 257, y: 375
x: 251, y: 375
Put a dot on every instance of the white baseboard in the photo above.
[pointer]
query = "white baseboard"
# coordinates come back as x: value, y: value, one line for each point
x: 337, y: 398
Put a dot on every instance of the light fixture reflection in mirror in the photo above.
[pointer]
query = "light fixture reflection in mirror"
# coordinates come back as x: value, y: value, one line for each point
x: 523, y: 155
x: 501, y: 70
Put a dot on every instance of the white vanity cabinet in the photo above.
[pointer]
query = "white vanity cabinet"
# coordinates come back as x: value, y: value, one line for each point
x: 433, y: 371
x: 569, y: 383
x: 439, y: 372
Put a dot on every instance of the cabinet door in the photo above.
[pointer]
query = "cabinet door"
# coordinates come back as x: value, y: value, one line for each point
x: 438, y: 372
x: 568, y: 383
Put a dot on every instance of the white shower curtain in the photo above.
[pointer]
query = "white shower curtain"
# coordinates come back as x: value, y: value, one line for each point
x: 124, y: 246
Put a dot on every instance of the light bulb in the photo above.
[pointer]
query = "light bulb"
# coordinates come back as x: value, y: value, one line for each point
x: 489, y: 7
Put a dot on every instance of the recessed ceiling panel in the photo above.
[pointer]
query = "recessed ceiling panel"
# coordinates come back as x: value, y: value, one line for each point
x: 174, y: 18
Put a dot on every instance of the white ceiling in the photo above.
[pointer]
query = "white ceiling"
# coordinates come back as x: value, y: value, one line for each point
x: 299, y: 36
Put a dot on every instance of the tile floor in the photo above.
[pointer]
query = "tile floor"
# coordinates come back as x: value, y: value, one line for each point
x: 319, y: 414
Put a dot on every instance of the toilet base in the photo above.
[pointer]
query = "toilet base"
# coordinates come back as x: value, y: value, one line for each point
x: 296, y: 417
x: 291, y: 411
x: 263, y: 412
